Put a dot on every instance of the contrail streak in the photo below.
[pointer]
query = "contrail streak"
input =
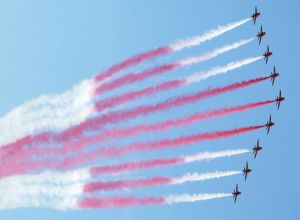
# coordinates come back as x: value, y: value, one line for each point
x: 168, y: 49
x: 134, y: 77
x: 110, y: 202
x: 172, y: 84
x: 154, y: 181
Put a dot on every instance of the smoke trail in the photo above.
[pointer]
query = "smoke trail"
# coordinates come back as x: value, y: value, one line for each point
x: 110, y: 202
x: 167, y: 49
x: 207, y: 36
x: 59, y: 203
x: 134, y: 77
x: 194, y: 198
x: 58, y: 111
x: 132, y: 61
x: 154, y: 181
x: 148, y: 164
x: 153, y: 127
x: 74, y: 202
x: 47, y: 177
x: 218, y: 70
x: 143, y: 128
x: 73, y: 96
x: 156, y: 145
x: 172, y: 84
x: 131, y: 113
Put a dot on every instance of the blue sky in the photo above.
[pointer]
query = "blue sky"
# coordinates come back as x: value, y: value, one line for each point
x: 46, y: 47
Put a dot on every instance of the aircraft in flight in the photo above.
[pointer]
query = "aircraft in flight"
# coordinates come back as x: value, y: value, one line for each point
x: 267, y: 54
x: 256, y: 148
x: 269, y: 124
x: 246, y: 170
x: 273, y: 76
x: 279, y: 99
x: 255, y: 15
x: 260, y: 35
x: 236, y: 193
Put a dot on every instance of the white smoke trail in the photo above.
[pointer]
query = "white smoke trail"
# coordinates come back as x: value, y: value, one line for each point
x: 214, y: 155
x: 58, y: 111
x: 192, y: 177
x: 207, y: 36
x: 48, y: 177
x: 214, y: 53
x: 194, y: 197
x: 41, y: 190
x: 220, y: 69
x: 62, y: 203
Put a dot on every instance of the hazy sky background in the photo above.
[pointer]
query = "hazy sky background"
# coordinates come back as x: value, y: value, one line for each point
x: 48, y: 46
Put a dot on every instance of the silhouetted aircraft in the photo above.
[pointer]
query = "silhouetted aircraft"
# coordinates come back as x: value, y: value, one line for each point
x: 255, y: 15
x: 274, y: 75
x: 260, y: 35
x: 279, y: 99
x: 269, y: 124
x: 236, y: 193
x: 256, y: 148
x: 267, y: 54
x: 246, y: 170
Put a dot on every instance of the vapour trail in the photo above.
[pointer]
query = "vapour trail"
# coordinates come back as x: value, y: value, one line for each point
x: 134, y: 77
x: 172, y: 84
x: 154, y: 181
x: 132, y: 61
x: 118, y: 202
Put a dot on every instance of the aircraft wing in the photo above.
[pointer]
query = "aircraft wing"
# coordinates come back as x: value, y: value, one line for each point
x: 259, y: 40
x: 278, y: 105
x: 255, y: 153
x: 273, y: 80
x: 267, y: 58
x: 268, y: 129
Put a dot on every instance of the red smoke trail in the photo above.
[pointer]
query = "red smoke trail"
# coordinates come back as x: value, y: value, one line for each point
x: 134, y: 77
x: 118, y: 151
x: 127, y: 114
x: 143, y: 128
x: 133, y: 61
x: 130, y: 96
x: 123, y: 184
x: 147, y: 109
x: 155, y: 145
x: 119, y: 168
x: 119, y: 202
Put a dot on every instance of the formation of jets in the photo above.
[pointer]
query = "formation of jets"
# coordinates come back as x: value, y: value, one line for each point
x: 246, y: 170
